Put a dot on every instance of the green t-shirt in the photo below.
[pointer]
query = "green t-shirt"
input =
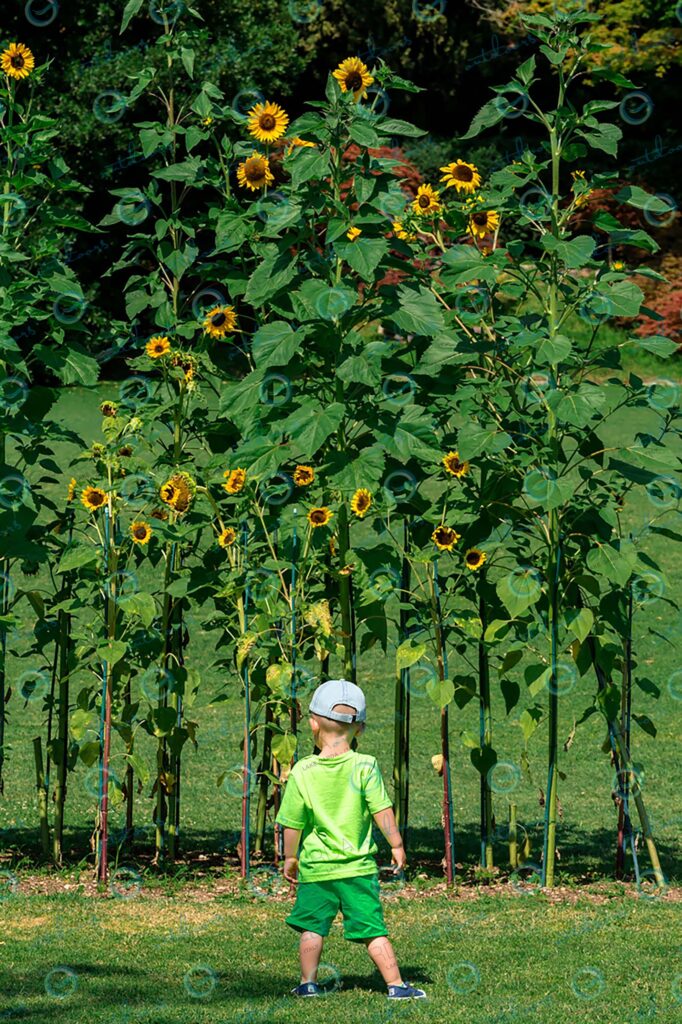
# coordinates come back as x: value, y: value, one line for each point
x: 332, y: 800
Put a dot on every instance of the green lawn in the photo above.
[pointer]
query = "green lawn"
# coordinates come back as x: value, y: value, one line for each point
x: 218, y: 959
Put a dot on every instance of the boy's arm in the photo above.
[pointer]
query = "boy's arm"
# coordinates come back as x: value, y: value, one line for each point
x: 292, y: 837
x: 385, y: 820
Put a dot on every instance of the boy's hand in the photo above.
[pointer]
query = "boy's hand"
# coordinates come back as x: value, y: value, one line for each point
x: 290, y: 869
x: 399, y: 858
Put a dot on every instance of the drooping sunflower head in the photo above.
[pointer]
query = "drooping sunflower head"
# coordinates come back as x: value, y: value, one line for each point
x: 234, y: 480
x: 400, y: 232
x: 474, y: 558
x: 483, y: 222
x: 427, y: 201
x: 319, y: 516
x: 445, y: 538
x: 453, y: 465
x: 178, y: 492
x: 304, y: 476
x: 17, y: 61
x: 254, y: 172
x: 158, y: 346
x: 361, y: 502
x: 298, y: 143
x: 71, y: 490
x: 462, y: 176
x: 219, y: 321
x: 94, y: 498
x: 353, y: 233
x: 267, y: 122
x: 227, y: 537
x: 108, y: 408
x: 140, y: 532
x: 353, y: 76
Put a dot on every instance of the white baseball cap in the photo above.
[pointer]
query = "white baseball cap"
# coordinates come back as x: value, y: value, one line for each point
x: 339, y: 691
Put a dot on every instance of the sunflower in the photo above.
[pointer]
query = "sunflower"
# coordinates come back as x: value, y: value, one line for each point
x: 304, y: 476
x: 186, y: 363
x: 157, y: 346
x: 400, y: 232
x: 178, y: 492
x: 474, y: 558
x: 108, y: 408
x: 482, y: 222
x: 353, y: 76
x: 236, y: 478
x: 17, y: 61
x: 445, y: 538
x: 426, y: 202
x: 579, y: 179
x: 453, y: 466
x: 462, y: 176
x: 360, y: 502
x: 298, y: 143
x: 140, y: 532
x: 254, y: 172
x: 125, y: 451
x: 219, y: 321
x: 319, y: 516
x: 93, y: 498
x: 353, y: 233
x: 227, y: 537
x: 267, y: 122
x: 617, y: 265
x: 71, y: 490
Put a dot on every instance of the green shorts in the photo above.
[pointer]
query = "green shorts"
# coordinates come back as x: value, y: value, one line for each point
x: 318, y: 903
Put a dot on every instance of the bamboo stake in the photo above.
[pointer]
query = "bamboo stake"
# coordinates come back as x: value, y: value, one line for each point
x: 294, y: 650
x: 42, y: 796
x: 441, y: 655
x: 110, y: 607
x: 246, y: 786
x: 401, y: 744
x: 513, y: 848
x: 485, y: 739
x: 624, y: 822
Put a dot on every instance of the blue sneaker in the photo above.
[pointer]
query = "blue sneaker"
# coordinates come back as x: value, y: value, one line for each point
x: 307, y: 988
x: 405, y: 991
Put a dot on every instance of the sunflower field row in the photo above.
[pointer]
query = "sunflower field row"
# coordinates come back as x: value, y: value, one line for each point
x: 354, y: 415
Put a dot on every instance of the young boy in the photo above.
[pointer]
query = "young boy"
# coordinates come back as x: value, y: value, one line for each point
x: 328, y: 805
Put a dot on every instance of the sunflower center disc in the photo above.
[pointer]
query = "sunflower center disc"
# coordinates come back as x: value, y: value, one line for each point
x: 354, y: 81
x: 267, y: 122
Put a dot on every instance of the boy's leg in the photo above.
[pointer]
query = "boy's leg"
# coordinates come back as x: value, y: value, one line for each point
x: 310, y: 951
x: 381, y: 952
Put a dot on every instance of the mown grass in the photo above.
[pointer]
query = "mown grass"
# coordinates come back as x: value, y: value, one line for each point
x: 490, y: 960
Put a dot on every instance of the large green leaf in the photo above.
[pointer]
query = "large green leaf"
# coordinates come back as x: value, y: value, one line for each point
x: 473, y: 439
x: 363, y: 470
x: 275, y: 344
x: 615, y: 560
x: 274, y: 273
x: 519, y: 590
x: 71, y: 364
x: 489, y: 114
x: 363, y: 255
x: 310, y: 427
x: 419, y: 312
x: 283, y: 747
x: 642, y: 200
x: 574, y: 253
x: 77, y: 557
x: 441, y: 691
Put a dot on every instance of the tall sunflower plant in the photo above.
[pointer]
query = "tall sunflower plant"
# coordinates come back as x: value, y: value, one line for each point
x: 529, y: 296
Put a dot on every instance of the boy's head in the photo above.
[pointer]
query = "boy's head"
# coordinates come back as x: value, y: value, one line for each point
x: 337, y: 711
